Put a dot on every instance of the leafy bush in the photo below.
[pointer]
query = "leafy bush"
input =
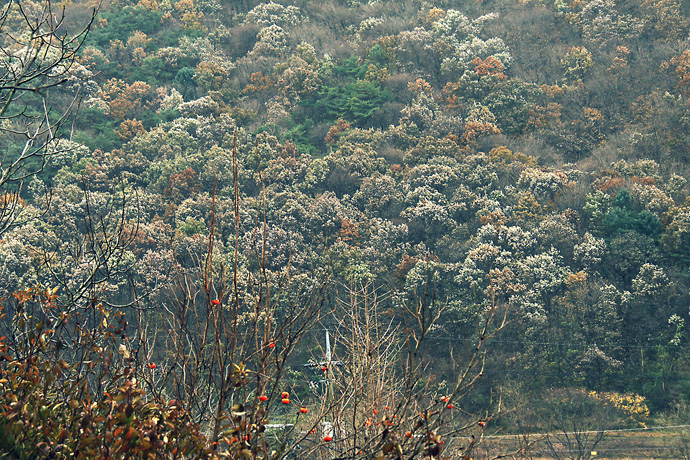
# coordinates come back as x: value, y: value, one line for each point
x: 69, y: 389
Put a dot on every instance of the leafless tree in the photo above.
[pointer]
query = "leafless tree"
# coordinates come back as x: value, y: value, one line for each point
x: 377, y: 398
x: 577, y: 422
x: 36, y: 55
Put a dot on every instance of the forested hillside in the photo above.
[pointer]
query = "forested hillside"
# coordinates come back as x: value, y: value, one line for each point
x: 484, y: 203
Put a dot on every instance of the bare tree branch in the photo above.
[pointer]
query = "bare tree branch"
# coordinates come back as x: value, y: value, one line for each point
x: 35, y: 56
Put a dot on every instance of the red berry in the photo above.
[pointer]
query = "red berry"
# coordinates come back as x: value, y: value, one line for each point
x: 263, y: 398
x: 286, y: 400
x: 408, y: 434
x: 303, y: 410
x: 152, y: 365
x: 284, y: 394
x: 449, y: 406
x: 328, y: 438
x: 271, y: 344
x: 215, y: 301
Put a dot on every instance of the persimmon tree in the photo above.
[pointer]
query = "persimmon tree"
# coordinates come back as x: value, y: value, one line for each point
x: 224, y: 333
x: 81, y: 398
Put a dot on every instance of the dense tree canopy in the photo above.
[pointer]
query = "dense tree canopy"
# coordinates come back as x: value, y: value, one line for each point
x: 299, y: 158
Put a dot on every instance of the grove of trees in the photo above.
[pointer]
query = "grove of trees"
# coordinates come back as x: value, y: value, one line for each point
x: 484, y: 204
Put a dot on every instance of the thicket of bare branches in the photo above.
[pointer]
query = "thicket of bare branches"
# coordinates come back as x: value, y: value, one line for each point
x: 36, y: 55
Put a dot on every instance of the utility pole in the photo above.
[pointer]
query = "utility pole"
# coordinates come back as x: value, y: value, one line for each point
x: 327, y: 381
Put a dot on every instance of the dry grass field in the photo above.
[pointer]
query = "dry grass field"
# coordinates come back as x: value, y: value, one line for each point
x: 643, y: 444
